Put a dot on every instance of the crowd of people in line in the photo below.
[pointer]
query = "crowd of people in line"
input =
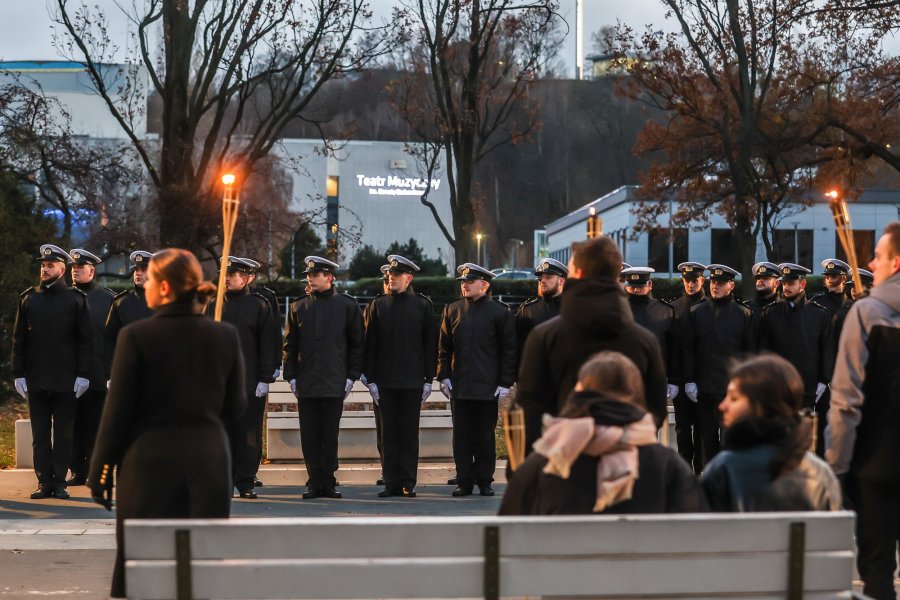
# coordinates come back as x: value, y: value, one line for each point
x: 117, y: 397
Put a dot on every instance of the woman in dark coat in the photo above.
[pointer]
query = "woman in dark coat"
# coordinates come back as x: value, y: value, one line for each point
x: 176, y: 378
x: 601, y: 455
x: 766, y: 464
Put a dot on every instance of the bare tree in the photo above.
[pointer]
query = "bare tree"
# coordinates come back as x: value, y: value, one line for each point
x: 231, y: 75
x: 466, y: 91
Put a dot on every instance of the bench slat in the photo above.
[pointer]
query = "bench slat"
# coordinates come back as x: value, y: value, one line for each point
x: 449, y: 537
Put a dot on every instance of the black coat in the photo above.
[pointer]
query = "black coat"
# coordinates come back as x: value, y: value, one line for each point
x: 830, y: 301
x: 757, y: 306
x: 477, y: 347
x: 717, y: 332
x: 401, y: 341
x: 594, y: 316
x: 324, y: 344
x: 127, y: 307
x: 802, y: 335
x: 99, y: 301
x: 274, y: 334
x: 530, y: 314
x: 681, y: 308
x: 52, y: 338
x: 666, y: 485
x: 659, y: 318
x: 252, y: 316
x: 176, y: 379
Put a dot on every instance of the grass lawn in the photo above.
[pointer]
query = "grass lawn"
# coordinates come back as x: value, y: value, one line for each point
x: 10, y: 411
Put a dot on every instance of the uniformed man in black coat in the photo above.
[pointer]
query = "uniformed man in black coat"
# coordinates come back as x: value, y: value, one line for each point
x: 251, y: 314
x: 867, y: 279
x: 800, y: 331
x: 401, y: 357
x: 128, y: 307
x: 476, y: 368
x: 376, y: 409
x: 687, y: 422
x: 767, y: 277
x: 272, y: 299
x: 324, y: 351
x: 717, y: 332
x: 551, y: 276
x: 51, y: 363
x: 652, y: 314
x: 836, y: 273
x: 594, y: 316
x: 89, y: 407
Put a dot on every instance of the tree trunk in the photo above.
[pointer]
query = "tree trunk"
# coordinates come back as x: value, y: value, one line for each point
x: 743, y: 233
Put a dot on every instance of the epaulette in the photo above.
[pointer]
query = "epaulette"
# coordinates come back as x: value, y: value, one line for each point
x: 530, y: 301
x: 421, y: 295
x: 500, y: 302
x: 121, y: 294
x: 348, y: 296
x: 669, y: 304
x: 80, y: 291
x: 27, y: 291
x: 816, y: 304
x: 259, y: 295
x: 262, y: 287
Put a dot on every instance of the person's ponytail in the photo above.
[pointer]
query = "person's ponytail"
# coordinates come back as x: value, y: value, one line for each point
x: 205, y: 291
x: 181, y: 269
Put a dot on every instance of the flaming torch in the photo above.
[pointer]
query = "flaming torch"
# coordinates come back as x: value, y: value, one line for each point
x: 845, y: 235
x: 230, y: 205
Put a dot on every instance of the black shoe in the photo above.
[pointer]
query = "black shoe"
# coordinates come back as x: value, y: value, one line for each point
x: 407, y: 492
x: 312, y: 493
x: 76, y: 480
x: 453, y: 481
x: 485, y: 490
x: 386, y: 493
x: 462, y: 490
x: 332, y: 493
x: 41, y: 493
x: 61, y: 493
x: 250, y: 494
x: 380, y: 481
x: 257, y: 483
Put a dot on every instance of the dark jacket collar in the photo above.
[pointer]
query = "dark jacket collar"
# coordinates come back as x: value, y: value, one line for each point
x: 235, y: 293
x: 605, y: 410
x: 597, y: 305
x: 799, y: 300
x: 326, y: 294
x: 86, y: 287
x: 57, y: 286
x: 178, y: 308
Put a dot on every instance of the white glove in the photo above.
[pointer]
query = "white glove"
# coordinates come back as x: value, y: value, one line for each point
x: 347, y: 388
x: 501, y: 392
x: 820, y: 389
x: 107, y: 383
x: 363, y: 379
x: 81, y: 386
x: 690, y: 390
x: 262, y: 389
x: 373, y: 391
x: 294, y: 386
x: 671, y: 392
x: 446, y: 388
x: 22, y: 387
x: 276, y: 374
x: 426, y: 392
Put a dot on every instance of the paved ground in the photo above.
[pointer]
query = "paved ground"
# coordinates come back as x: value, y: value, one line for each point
x: 66, y: 547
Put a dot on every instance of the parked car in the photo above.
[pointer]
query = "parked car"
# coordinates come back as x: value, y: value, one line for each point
x: 513, y: 274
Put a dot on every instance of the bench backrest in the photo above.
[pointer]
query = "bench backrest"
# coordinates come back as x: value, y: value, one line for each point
x: 760, y: 555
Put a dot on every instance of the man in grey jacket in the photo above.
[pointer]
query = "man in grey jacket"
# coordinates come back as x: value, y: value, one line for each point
x: 863, y: 438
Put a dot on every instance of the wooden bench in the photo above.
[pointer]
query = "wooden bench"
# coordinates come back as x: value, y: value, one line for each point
x: 761, y: 555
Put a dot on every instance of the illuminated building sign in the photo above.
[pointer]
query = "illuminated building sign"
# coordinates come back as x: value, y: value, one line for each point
x: 393, y: 185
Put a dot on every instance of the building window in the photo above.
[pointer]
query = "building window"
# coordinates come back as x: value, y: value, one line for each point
x: 724, y: 249
x: 864, y: 241
x: 658, y: 251
x: 794, y: 246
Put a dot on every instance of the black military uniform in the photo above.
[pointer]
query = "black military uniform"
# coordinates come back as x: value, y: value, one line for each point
x: 376, y: 410
x: 89, y: 406
x: 277, y: 318
x: 832, y: 301
x: 323, y: 354
x: 800, y: 331
x: 477, y: 355
x: 650, y: 313
x: 717, y: 331
x: 128, y: 307
x: 762, y: 300
x: 687, y: 422
x: 52, y: 353
x: 535, y: 311
x: 400, y: 366
x: 251, y: 314
x: 867, y: 279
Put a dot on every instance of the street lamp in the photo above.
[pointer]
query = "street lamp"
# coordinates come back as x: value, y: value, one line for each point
x: 478, y: 237
x: 230, y: 205
x: 516, y: 244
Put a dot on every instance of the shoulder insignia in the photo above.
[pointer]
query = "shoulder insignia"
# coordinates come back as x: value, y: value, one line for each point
x: 121, y: 294
x: 661, y: 301
x: 530, y: 301
x: 348, y: 296
x: 817, y: 305
x: 421, y: 295
x: 79, y: 291
x: 27, y: 291
x: 259, y: 295
x: 501, y: 303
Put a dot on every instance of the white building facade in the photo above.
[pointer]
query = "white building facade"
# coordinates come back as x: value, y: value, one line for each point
x: 806, y: 235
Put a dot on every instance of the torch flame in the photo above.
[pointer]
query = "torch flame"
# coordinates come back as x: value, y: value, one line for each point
x: 228, y: 179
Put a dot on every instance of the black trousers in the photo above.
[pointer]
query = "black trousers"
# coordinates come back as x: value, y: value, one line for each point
x: 710, y: 420
x: 379, y: 434
x: 687, y: 430
x: 52, y: 416
x: 400, y: 410
x: 877, y: 536
x: 245, y: 437
x: 474, y: 447
x: 320, y: 422
x: 822, y: 407
x: 88, y: 409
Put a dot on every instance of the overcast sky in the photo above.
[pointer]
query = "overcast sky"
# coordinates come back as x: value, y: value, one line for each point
x: 25, y: 32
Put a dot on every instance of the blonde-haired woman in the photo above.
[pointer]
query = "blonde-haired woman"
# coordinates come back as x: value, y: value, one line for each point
x: 176, y: 378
